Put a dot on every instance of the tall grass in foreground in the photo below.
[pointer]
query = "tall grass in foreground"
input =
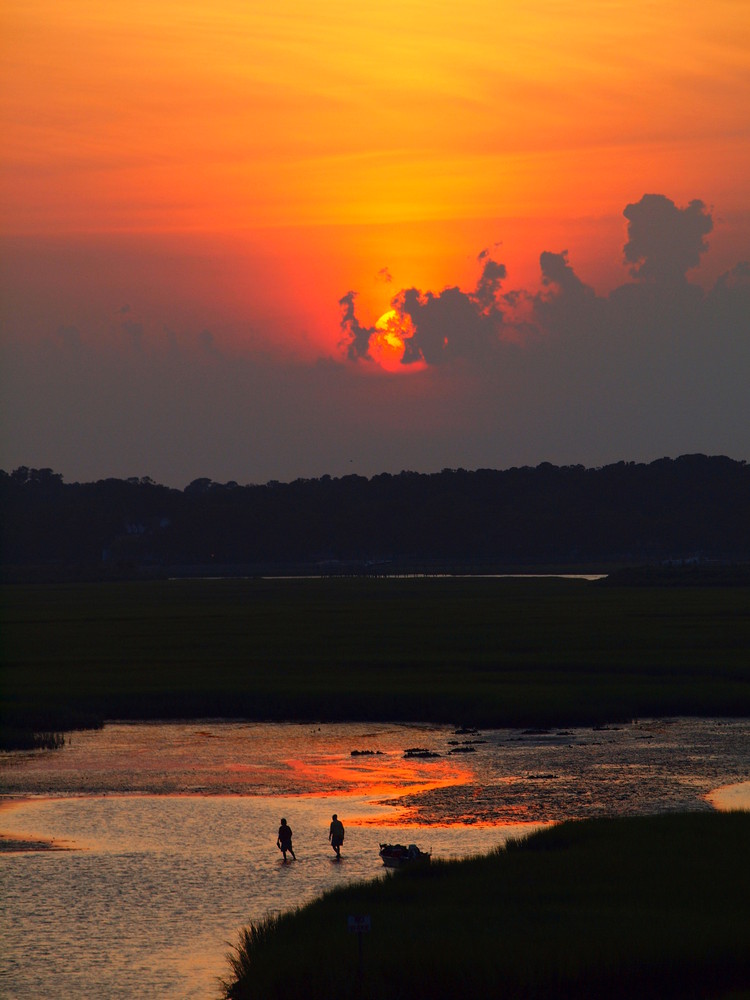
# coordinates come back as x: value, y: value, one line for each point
x: 642, y: 907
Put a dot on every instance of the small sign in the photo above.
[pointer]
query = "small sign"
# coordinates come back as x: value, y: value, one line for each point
x: 358, y: 925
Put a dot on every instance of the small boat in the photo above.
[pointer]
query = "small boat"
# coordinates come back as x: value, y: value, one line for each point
x: 399, y: 856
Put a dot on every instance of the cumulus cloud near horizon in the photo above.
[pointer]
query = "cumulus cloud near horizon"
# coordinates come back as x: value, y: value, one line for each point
x: 497, y: 376
x: 663, y: 243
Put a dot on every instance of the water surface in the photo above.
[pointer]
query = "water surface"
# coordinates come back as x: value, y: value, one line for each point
x: 166, y: 832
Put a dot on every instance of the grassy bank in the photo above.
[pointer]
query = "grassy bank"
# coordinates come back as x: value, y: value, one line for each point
x: 645, y: 907
x: 475, y: 651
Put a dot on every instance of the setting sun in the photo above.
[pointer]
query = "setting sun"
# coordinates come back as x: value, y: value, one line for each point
x: 387, y: 343
x: 204, y: 215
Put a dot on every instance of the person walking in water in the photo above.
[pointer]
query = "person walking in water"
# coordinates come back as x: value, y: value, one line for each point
x: 284, y: 840
x: 336, y: 834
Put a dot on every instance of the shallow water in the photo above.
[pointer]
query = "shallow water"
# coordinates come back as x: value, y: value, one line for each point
x: 170, y: 829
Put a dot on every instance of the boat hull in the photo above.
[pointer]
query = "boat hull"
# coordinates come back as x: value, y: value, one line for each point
x: 398, y: 856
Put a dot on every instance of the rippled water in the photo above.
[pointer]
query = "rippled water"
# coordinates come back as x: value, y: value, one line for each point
x: 169, y: 830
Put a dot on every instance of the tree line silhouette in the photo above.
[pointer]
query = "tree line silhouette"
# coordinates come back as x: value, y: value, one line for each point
x: 692, y: 509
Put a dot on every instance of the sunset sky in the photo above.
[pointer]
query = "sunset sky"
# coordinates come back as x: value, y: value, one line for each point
x: 262, y: 241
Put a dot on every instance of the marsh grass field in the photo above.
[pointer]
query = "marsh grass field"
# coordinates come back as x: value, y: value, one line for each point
x: 472, y: 651
x: 622, y: 908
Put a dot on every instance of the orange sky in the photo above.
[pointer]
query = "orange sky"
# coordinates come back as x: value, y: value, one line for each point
x: 149, y: 114
x: 158, y: 115
x: 237, y: 167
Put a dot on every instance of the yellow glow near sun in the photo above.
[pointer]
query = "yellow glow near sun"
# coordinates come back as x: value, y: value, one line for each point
x: 387, y: 344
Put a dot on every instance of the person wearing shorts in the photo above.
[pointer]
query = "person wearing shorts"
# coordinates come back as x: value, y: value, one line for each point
x: 336, y: 834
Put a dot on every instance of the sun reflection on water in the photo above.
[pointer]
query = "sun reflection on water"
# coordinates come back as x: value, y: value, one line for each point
x: 332, y: 776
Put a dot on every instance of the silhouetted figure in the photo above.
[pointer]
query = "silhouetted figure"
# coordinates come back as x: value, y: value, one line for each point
x: 336, y: 834
x: 284, y: 840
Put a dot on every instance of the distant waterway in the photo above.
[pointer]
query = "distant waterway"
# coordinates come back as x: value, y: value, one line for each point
x: 134, y: 854
x: 408, y: 575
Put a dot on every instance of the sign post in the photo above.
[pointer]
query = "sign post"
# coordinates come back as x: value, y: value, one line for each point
x: 359, y: 925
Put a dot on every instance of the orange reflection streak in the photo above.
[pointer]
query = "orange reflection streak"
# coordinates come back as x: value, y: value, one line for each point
x: 404, y: 821
x: 333, y: 776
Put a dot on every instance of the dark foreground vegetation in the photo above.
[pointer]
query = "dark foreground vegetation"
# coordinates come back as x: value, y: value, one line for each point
x: 483, y: 652
x: 646, y: 907
x: 691, y: 509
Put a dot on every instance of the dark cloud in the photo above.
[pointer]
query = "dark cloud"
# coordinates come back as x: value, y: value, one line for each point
x: 488, y: 286
x: 488, y: 251
x: 566, y: 306
x: 385, y: 275
x: 665, y: 241
x: 443, y: 327
x: 658, y: 360
x: 557, y: 271
x: 736, y: 278
x: 508, y: 376
x: 356, y: 337
x: 447, y: 326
